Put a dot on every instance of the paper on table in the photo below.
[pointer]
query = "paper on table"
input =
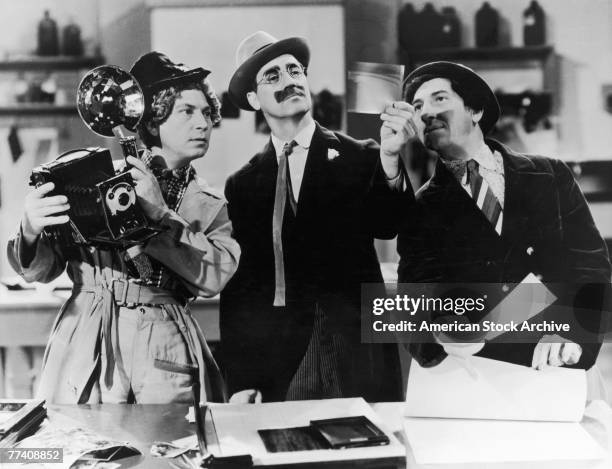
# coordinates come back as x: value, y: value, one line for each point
x: 236, y: 428
x: 442, y: 441
x: 76, y: 441
x: 525, y: 415
x: 371, y: 86
x: 500, y: 390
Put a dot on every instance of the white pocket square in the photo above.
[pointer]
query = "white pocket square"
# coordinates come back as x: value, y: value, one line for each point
x: 332, y: 153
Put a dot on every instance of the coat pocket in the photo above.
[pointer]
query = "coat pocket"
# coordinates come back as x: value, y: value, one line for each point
x: 172, y: 367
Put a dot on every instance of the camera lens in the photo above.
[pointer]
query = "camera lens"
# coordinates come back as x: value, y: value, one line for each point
x: 124, y: 199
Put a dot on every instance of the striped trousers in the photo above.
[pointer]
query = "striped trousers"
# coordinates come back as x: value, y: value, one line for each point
x: 318, y: 375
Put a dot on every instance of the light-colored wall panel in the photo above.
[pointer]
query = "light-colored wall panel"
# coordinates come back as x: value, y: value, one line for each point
x: 208, y: 37
x: 581, y: 32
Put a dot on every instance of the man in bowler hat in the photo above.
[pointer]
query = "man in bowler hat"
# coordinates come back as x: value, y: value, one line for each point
x: 491, y: 215
x: 125, y: 335
x: 305, y: 211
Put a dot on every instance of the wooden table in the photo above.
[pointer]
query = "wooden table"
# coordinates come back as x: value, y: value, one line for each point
x: 141, y: 425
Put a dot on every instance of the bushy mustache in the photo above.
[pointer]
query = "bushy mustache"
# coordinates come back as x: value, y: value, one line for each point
x: 290, y: 90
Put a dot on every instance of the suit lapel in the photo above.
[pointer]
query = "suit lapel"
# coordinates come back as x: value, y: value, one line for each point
x: 267, y: 167
x: 448, y: 193
x: 316, y: 182
x: 461, y: 215
x: 515, y: 216
x: 524, y: 188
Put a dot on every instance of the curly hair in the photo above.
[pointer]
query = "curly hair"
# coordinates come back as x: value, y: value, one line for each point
x: 162, y: 103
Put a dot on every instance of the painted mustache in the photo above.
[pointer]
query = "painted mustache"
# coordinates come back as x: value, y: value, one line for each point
x: 287, y: 92
x: 434, y: 122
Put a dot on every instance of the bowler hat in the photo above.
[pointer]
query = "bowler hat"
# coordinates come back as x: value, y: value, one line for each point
x: 467, y: 79
x: 155, y: 71
x: 254, y: 52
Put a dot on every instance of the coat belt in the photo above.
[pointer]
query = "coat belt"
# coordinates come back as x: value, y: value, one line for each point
x: 120, y: 292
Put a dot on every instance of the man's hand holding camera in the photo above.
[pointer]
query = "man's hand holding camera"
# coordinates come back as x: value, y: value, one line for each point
x: 148, y: 190
x: 42, y: 211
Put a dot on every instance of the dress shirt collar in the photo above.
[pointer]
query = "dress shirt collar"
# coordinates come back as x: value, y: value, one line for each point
x: 483, y: 156
x: 303, y: 139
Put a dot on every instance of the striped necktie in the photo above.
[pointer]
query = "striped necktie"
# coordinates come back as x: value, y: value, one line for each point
x: 280, y: 200
x: 484, y: 197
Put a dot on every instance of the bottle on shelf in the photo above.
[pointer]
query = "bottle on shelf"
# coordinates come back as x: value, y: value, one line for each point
x: 71, y: 40
x: 48, y: 41
x: 408, y: 28
x: 487, y: 26
x: 35, y: 92
x: 451, y: 28
x: 21, y: 89
x: 431, y: 25
x: 48, y: 89
x: 534, y: 25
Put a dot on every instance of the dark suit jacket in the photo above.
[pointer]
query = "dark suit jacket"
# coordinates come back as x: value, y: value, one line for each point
x: 547, y: 230
x: 344, y: 203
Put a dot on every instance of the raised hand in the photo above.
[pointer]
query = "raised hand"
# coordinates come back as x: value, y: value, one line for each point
x: 398, y: 127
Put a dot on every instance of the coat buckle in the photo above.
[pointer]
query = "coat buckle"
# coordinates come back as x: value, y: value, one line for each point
x: 124, y: 292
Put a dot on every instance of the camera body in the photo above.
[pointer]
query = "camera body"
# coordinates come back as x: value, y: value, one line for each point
x: 104, y: 210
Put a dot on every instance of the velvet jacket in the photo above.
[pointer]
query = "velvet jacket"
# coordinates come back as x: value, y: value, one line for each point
x: 547, y: 230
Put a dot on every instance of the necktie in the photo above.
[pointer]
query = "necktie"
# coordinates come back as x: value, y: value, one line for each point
x: 484, y: 197
x: 280, y: 199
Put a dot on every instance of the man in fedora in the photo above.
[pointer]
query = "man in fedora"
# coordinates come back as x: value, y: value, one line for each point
x: 305, y: 211
x: 491, y: 215
x: 125, y: 335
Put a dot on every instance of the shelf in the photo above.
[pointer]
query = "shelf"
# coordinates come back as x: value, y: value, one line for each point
x: 498, y: 54
x: 35, y: 109
x: 60, y: 62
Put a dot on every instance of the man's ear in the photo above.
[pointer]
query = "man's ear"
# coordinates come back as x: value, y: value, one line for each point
x: 253, y: 100
x: 476, y: 116
x: 153, y: 129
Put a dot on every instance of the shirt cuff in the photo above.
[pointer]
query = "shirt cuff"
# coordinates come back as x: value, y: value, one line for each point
x: 398, y: 182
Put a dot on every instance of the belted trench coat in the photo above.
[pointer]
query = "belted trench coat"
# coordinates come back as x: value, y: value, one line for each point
x: 196, y: 245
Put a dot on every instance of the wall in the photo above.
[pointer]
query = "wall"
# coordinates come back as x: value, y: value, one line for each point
x: 371, y: 30
x: 19, y: 21
x: 41, y: 137
x: 209, y: 36
x: 581, y: 34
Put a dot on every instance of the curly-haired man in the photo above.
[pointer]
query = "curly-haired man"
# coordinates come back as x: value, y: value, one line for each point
x: 125, y: 335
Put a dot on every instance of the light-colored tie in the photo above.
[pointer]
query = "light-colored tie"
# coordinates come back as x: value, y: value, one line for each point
x: 280, y: 200
x: 484, y: 197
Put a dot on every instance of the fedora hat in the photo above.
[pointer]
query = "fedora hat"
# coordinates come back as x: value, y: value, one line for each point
x: 154, y: 71
x: 254, y: 52
x: 467, y: 79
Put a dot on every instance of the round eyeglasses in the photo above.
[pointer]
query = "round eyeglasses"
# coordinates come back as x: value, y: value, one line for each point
x: 273, y: 76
